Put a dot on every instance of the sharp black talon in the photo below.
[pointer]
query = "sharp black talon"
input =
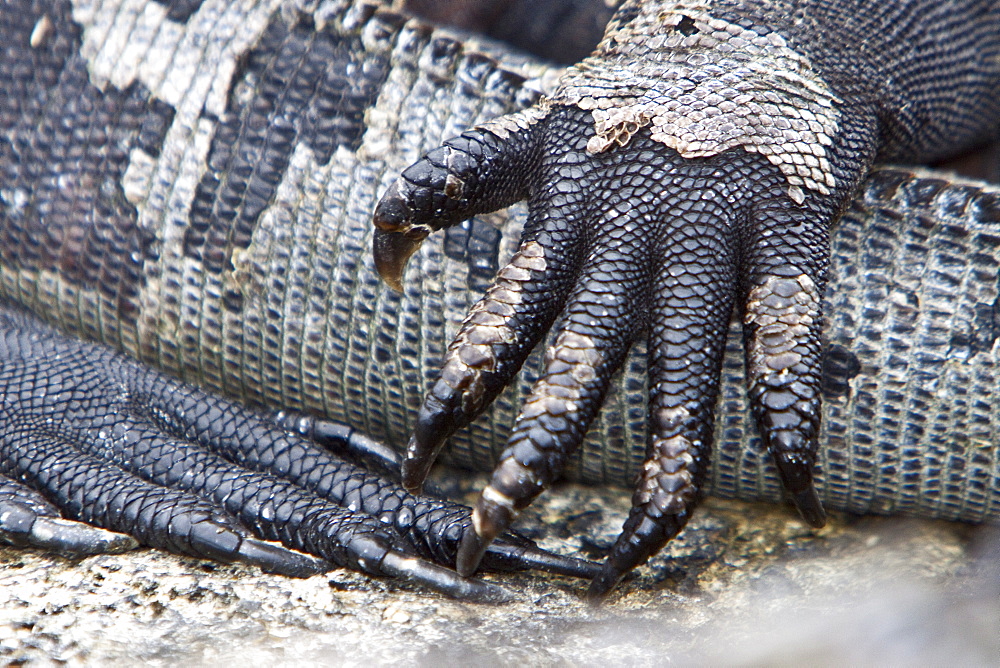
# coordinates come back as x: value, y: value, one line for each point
x: 342, y: 440
x: 491, y: 517
x: 214, y: 540
x: 796, y: 476
x: 601, y: 585
x: 442, y: 580
x: 273, y: 558
x: 415, y: 467
x: 395, y: 240
x: 434, y: 423
x: 810, y: 507
x: 530, y: 557
x: 392, y: 250
x: 470, y: 552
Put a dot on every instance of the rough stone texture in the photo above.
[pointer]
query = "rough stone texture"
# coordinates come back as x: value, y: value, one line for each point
x: 745, y: 584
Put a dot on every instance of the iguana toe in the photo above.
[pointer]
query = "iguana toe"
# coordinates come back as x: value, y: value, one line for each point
x: 28, y: 520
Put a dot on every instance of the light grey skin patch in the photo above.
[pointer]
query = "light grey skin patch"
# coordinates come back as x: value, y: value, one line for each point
x: 758, y: 94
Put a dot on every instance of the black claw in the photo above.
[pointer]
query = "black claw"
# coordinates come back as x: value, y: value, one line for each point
x: 422, y: 450
x: 23, y: 527
x: 392, y: 250
x: 471, y: 551
x: 536, y: 559
x: 603, y: 583
x: 342, y: 440
x: 214, y: 540
x: 796, y: 476
x: 445, y: 187
x: 372, y: 556
x: 274, y: 558
x: 810, y: 507
x: 443, y: 580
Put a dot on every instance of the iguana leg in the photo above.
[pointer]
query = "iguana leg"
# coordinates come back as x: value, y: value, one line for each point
x: 116, y: 445
x: 694, y: 164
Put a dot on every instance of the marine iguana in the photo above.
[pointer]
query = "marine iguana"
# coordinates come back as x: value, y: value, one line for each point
x: 192, y: 183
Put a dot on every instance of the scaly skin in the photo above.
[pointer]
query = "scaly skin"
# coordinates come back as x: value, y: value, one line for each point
x: 193, y: 185
x: 694, y: 164
x: 100, y: 439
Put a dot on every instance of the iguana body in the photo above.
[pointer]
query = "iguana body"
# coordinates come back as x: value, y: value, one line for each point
x: 204, y: 205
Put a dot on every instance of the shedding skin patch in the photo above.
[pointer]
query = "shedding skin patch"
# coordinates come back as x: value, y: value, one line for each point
x: 783, y: 311
x: 781, y: 351
x: 488, y: 324
x: 558, y: 393
x: 668, y: 481
x: 505, y: 126
x: 668, y: 477
x: 760, y: 95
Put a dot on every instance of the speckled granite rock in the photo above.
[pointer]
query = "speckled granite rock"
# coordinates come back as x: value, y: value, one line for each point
x: 746, y: 584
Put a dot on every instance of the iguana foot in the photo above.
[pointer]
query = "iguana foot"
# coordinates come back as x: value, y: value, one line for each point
x: 97, y: 438
x: 665, y: 187
x: 617, y: 243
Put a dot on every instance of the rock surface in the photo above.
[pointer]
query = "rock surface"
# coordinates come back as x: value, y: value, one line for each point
x: 746, y: 584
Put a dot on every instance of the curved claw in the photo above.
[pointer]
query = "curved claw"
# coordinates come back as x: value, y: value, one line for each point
x: 392, y: 250
x: 221, y: 543
x: 808, y: 503
x: 474, y: 543
x: 446, y: 187
x: 603, y: 583
x: 342, y: 440
x: 372, y: 556
x: 274, y: 558
x: 437, y: 578
x: 20, y: 525
x: 534, y: 558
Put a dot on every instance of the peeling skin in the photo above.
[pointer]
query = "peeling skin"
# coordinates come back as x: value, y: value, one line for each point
x: 783, y: 310
x: 668, y: 479
x: 781, y: 314
x: 504, y: 126
x: 487, y: 323
x: 699, y: 117
x: 553, y: 394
